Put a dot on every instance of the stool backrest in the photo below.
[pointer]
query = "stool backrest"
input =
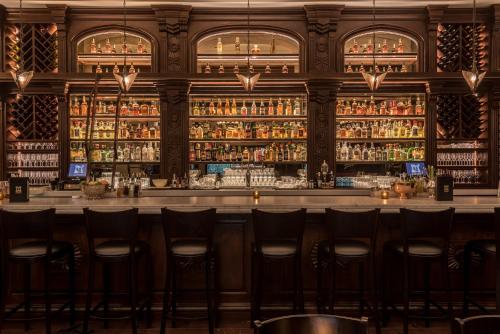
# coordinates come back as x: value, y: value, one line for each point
x: 279, y: 226
x: 347, y: 225
x: 483, y: 324
x: 27, y: 225
x: 115, y: 225
x: 313, y: 324
x: 427, y: 224
x: 189, y: 225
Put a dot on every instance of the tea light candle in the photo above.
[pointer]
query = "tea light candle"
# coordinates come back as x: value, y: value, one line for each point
x: 256, y: 194
x: 384, y: 194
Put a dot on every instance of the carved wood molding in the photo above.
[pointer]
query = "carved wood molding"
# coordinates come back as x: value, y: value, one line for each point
x: 173, y: 22
x: 174, y: 118
x: 59, y: 17
x: 322, y: 25
x: 321, y: 145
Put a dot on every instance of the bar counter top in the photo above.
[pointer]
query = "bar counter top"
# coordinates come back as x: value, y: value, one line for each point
x: 244, y: 204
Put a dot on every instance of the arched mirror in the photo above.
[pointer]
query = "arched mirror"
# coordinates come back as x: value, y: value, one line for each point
x: 106, y: 50
x: 394, y: 52
x: 270, y: 52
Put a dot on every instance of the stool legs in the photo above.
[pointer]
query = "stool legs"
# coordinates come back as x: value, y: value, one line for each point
x: 208, y: 290
x: 106, y: 284
x: 406, y: 292
x: 174, y: 295
x: 72, y: 288
x: 27, y: 296
x: 427, y: 303
x: 166, y: 296
x: 48, y: 305
x: 88, y: 301
x: 467, y: 263
x: 133, y: 295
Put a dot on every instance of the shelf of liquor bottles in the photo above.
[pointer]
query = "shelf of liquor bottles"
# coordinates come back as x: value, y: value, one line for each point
x: 392, y: 51
x: 379, y: 132
x: 258, y: 129
x: 105, y: 52
x: 138, y: 130
x: 232, y: 51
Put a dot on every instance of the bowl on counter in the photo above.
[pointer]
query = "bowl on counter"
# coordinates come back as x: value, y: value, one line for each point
x: 403, y: 189
x: 159, y: 183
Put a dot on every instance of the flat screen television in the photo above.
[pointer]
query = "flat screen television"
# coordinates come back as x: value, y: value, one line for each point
x: 416, y: 169
x: 77, y: 170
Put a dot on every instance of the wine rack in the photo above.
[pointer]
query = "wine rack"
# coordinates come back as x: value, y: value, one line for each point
x: 379, y: 132
x: 242, y: 130
x: 462, y: 139
x: 455, y: 47
x: 39, y: 47
x: 32, y: 135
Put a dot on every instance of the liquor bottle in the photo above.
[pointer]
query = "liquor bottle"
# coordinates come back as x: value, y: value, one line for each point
x: 244, y: 110
x: 288, y: 108
x: 234, y: 107
x: 124, y: 47
x: 267, y: 70
x: 400, y: 46
x: 113, y: 50
x: 116, y: 69
x: 131, y: 69
x: 84, y: 107
x: 219, y: 107
x: 76, y: 108
x: 237, y: 44
x: 98, y: 69
x: 219, y: 45
x: 262, y: 108
x: 108, y: 47
x: 279, y: 110
x: 355, y: 47
x: 251, y: 69
x: 385, y: 48
x: 99, y: 49
x: 284, y: 69
x: 419, y: 110
x: 236, y: 69
x: 227, y: 107
x: 253, y: 109
x: 297, y: 108
x: 196, y: 109
x: 140, y: 47
x: 211, y: 108
x: 93, y: 48
x: 207, y: 69
x: 270, y: 109
x: 221, y: 69
x: 349, y: 68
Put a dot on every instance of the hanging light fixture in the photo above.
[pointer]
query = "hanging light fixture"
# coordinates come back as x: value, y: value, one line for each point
x: 473, y: 77
x: 250, y: 80
x: 126, y: 78
x: 374, y: 79
x: 21, y: 77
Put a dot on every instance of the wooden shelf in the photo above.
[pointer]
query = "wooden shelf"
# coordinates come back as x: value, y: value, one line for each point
x: 112, y: 140
x: 246, y: 162
x: 363, y: 162
x: 379, y: 140
x: 251, y: 141
x: 383, y: 117
x: 111, y: 117
x: 246, y: 118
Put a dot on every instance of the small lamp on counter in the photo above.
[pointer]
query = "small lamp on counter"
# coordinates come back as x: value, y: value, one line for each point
x: 256, y: 194
x: 384, y: 194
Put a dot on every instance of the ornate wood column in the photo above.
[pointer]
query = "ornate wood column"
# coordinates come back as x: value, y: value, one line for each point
x: 495, y: 39
x: 435, y: 15
x: 322, y: 25
x: 174, y: 112
x: 321, y: 134
x: 173, y: 22
x: 58, y: 14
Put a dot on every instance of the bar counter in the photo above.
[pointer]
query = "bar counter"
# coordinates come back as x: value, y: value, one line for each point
x: 241, y: 202
x: 234, y: 235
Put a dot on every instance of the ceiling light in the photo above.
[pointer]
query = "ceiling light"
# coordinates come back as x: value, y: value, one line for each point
x: 374, y: 80
x: 125, y: 80
x: 250, y: 80
x: 474, y: 77
x: 21, y: 77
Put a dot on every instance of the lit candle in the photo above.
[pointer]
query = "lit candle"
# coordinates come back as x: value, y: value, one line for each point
x: 256, y: 194
x: 384, y: 194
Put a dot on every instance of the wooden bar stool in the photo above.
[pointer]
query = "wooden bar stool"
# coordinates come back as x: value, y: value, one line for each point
x: 188, y: 240
x: 32, y: 235
x: 425, y: 237
x: 278, y: 237
x: 119, y: 229
x: 483, y: 324
x: 486, y: 248
x: 352, y: 236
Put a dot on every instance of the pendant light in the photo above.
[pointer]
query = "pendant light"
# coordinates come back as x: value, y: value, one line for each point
x: 126, y: 78
x: 21, y: 77
x: 473, y: 77
x: 374, y: 80
x: 250, y: 80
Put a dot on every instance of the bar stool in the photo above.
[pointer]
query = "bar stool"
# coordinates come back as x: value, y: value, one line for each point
x: 486, y: 248
x: 312, y: 324
x: 122, y: 228
x: 278, y: 238
x: 353, y: 237
x: 188, y: 240
x: 425, y: 237
x: 37, y: 227
x: 483, y: 324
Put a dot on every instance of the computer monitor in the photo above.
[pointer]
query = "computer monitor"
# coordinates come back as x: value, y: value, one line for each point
x: 77, y: 170
x: 416, y: 169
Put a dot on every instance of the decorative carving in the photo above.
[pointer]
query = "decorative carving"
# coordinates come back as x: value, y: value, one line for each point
x: 322, y: 26
x: 322, y: 97
x: 174, y: 94
x: 173, y: 21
